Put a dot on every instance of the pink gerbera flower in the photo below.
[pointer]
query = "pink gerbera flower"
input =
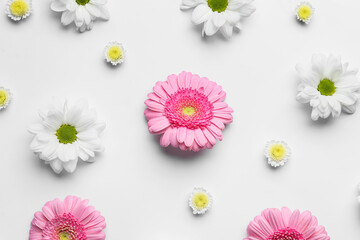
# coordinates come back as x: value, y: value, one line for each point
x: 68, y: 220
x: 188, y: 111
x: 275, y: 224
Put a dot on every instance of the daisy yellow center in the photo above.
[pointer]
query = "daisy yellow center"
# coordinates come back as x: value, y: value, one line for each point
x: 304, y: 12
x: 66, y: 134
x: 188, y: 110
x: 200, y: 200
x: 64, y: 236
x: 326, y: 87
x: 277, y: 152
x: 82, y: 2
x: 19, y: 8
x: 218, y: 5
x: 3, y: 97
x: 115, y: 53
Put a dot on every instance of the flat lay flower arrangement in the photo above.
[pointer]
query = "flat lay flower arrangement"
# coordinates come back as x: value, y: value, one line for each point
x: 188, y: 115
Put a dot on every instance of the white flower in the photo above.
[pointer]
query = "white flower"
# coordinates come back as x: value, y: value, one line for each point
x: 67, y: 133
x: 329, y: 86
x: 18, y: 9
x: 200, y: 200
x: 304, y: 12
x: 216, y: 15
x: 5, y: 97
x: 82, y: 12
x: 277, y: 153
x: 114, y: 53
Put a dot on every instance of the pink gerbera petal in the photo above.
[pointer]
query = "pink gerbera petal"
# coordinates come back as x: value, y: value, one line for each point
x: 71, y: 219
x: 188, y: 111
x: 275, y: 224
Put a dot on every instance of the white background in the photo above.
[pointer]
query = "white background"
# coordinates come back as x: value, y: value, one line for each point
x: 142, y: 189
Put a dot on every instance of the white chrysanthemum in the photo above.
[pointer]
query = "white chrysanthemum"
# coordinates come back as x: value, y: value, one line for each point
x: 66, y: 133
x: 304, y: 12
x: 277, y: 153
x: 5, y: 97
x: 200, y: 200
x: 216, y: 15
x: 82, y: 12
x: 114, y: 53
x: 329, y: 86
x: 18, y: 9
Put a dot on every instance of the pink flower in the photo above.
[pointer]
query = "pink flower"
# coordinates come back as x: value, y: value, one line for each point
x: 275, y: 224
x: 188, y: 111
x: 68, y: 220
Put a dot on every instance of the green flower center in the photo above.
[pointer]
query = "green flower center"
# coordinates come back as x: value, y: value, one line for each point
x: 82, y: 2
x: 66, y: 134
x: 64, y: 236
x: 326, y: 87
x: 218, y: 5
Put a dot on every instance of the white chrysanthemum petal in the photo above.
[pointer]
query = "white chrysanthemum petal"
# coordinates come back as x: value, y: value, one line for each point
x: 227, y: 30
x: 67, y: 17
x: 215, y: 17
x: 187, y: 4
x: 58, y: 6
x: 60, y: 140
x: 56, y: 165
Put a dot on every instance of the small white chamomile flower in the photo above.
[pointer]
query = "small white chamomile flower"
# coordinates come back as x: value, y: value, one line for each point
x: 200, y: 200
x: 114, y: 53
x: 277, y: 153
x: 5, y: 97
x: 18, y: 9
x: 304, y: 12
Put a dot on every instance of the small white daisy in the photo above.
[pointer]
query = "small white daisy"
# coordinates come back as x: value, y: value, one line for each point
x: 5, y: 97
x: 277, y: 153
x: 304, y: 12
x: 200, y: 200
x: 66, y: 133
x: 114, y: 53
x: 82, y: 12
x: 18, y: 9
x: 329, y: 86
x: 216, y: 15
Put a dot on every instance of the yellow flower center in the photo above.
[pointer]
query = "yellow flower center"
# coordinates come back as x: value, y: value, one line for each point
x: 277, y: 152
x: 326, y: 87
x: 64, y: 236
x: 19, y: 8
x: 115, y: 53
x: 188, y: 110
x: 3, y: 97
x: 304, y: 12
x: 200, y: 200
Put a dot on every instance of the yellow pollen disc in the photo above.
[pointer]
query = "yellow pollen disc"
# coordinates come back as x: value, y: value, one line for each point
x: 64, y: 236
x: 3, y: 97
x: 200, y: 200
x: 19, y: 8
x: 115, y: 53
x: 304, y: 12
x: 188, y: 110
x: 277, y: 152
